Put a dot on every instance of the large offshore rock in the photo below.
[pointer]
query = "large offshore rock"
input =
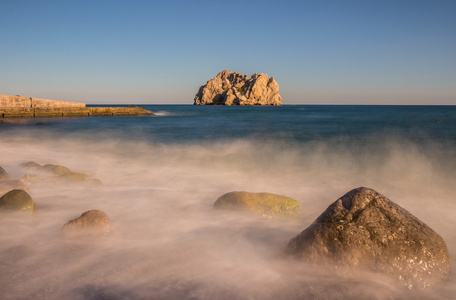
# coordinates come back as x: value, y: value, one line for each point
x: 4, y: 175
x: 92, y: 223
x: 231, y: 88
x: 263, y: 204
x: 363, y: 230
x: 17, y: 200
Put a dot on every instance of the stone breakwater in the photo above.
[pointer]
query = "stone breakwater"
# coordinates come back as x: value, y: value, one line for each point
x: 231, y: 88
x: 18, y: 106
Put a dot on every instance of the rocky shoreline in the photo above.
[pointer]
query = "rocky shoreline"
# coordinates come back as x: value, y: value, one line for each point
x: 362, y: 231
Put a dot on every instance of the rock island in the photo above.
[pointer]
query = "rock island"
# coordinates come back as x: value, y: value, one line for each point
x: 231, y: 88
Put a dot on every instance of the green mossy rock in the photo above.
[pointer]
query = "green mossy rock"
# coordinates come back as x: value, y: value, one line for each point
x: 263, y: 204
x: 18, y: 200
x: 4, y: 175
x: 55, y: 169
x: 92, y: 223
x: 364, y: 230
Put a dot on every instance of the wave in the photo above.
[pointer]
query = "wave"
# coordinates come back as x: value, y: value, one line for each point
x: 170, y: 243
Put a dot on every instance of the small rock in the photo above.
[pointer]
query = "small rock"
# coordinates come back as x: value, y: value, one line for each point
x: 18, y: 200
x: 263, y: 204
x: 363, y: 230
x: 4, y: 175
x: 6, y: 186
x: 31, y: 165
x: 30, y: 178
x: 55, y: 169
x: 79, y: 177
x: 92, y: 223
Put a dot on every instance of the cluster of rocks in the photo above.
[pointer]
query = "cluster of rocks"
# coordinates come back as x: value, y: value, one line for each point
x: 231, y: 88
x: 361, y: 231
x: 36, y: 172
x: 92, y: 223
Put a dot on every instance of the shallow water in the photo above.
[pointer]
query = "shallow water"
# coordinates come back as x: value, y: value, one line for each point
x: 162, y: 174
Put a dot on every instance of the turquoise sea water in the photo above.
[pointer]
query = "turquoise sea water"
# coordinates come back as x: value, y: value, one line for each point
x: 162, y: 174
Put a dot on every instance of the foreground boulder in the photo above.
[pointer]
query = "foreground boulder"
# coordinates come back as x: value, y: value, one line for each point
x: 92, y: 223
x: 363, y: 230
x: 263, y: 204
x: 17, y: 200
x: 231, y: 88
x: 4, y: 175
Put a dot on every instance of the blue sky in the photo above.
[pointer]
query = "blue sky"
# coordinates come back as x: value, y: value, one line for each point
x: 161, y: 52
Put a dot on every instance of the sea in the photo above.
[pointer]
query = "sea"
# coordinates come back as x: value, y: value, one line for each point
x: 162, y: 173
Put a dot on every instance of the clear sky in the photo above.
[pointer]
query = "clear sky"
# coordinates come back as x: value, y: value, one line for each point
x: 161, y: 52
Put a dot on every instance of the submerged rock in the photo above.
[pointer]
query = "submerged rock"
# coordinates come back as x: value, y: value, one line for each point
x: 363, y: 230
x: 55, y: 169
x: 92, y: 223
x: 263, y: 204
x: 31, y: 165
x: 231, y: 88
x: 18, y: 200
x: 6, y: 186
x: 55, y: 172
x: 30, y: 178
x: 79, y: 177
x: 4, y: 175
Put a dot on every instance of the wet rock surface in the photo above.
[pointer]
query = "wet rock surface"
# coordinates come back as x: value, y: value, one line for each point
x: 231, y: 88
x: 17, y: 200
x: 363, y: 230
x: 263, y: 204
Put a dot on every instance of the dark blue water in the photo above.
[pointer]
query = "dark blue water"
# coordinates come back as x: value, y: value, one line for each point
x: 301, y: 123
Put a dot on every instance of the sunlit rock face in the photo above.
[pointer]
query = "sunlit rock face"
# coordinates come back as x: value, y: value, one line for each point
x: 363, y: 230
x: 231, y: 88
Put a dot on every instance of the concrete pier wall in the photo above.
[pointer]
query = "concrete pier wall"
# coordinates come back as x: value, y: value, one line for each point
x: 12, y: 102
x: 17, y: 106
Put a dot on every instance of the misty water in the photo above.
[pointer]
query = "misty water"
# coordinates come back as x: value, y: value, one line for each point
x: 161, y: 175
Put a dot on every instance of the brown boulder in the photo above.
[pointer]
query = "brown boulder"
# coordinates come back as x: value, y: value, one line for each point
x: 363, y: 230
x: 17, y: 200
x: 92, y: 223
